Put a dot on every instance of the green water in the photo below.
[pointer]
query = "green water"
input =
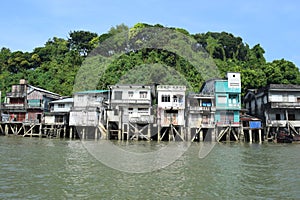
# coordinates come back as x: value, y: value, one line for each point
x: 34, y: 168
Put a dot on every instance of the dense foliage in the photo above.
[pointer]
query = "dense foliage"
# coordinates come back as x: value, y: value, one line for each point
x: 55, y: 65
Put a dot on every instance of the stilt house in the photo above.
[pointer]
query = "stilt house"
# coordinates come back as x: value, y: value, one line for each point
x: 89, y: 113
x: 171, y: 112
x: 130, y: 114
x: 26, y: 103
x: 278, y: 105
x: 200, y: 115
x: 227, y: 94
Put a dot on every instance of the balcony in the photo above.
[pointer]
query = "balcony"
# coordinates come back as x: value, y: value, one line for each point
x: 131, y: 101
x: 144, y: 119
x: 229, y: 106
x: 14, y: 107
x: 285, y: 105
x: 16, y: 94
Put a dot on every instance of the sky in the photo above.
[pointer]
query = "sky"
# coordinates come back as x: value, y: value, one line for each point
x: 27, y: 24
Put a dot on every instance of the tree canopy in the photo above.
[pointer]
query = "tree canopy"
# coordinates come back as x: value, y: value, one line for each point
x: 54, y: 66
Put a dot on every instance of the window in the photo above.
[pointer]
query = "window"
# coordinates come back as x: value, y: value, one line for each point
x: 165, y: 98
x: 291, y: 117
x: 175, y: 99
x: 130, y: 94
x: 277, y: 98
x: 222, y: 99
x: 206, y: 103
x: 118, y: 95
x: 233, y: 99
x: 143, y: 110
x: 278, y: 117
x: 59, y: 119
x: 130, y: 110
x: 143, y: 94
x: 291, y: 98
x: 60, y: 105
x: 80, y: 98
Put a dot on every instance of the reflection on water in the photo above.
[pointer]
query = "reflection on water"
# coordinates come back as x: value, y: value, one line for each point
x: 33, y: 168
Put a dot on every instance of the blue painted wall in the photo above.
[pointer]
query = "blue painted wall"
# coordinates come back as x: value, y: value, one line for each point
x: 228, y: 103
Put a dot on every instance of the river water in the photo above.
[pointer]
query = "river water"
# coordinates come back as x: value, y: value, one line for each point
x: 35, y: 168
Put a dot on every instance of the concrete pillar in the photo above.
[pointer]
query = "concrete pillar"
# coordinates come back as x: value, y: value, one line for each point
x: 188, y: 137
x: 201, y: 136
x: 83, y: 133
x: 96, y: 133
x: 149, y: 131
x: 6, y: 129
x: 259, y: 135
x: 213, y: 134
x: 40, y: 131
x: 250, y: 136
x: 65, y: 130
x: 182, y: 132
x: 71, y: 133
x: 158, y: 132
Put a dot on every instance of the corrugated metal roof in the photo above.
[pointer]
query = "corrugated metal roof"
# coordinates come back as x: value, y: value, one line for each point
x: 92, y: 91
x: 66, y: 100
x: 284, y: 86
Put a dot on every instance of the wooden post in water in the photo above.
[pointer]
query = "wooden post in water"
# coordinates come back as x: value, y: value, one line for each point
x: 201, y: 135
x: 96, y: 133
x: 71, y: 133
x: 31, y: 131
x: 182, y: 132
x: 250, y: 135
x: 40, y: 130
x: 65, y: 131
x: 149, y: 131
x: 6, y: 129
x: 259, y: 135
x: 158, y: 131
x: 213, y: 134
x: 228, y: 135
x: 83, y: 133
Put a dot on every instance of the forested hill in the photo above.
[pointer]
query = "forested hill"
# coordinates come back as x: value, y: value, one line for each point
x: 55, y: 65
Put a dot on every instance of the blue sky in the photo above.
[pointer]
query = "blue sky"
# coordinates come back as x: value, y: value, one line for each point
x: 26, y: 24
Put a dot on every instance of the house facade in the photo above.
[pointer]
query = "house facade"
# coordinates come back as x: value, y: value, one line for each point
x: 228, y: 100
x: 59, y: 112
x: 26, y: 103
x: 171, y: 111
x: 278, y: 105
x: 88, y: 108
x: 88, y: 114
x: 130, y: 113
x: 200, y: 115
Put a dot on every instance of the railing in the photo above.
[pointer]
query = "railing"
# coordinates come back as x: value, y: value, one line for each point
x: 131, y: 101
x: 142, y: 119
x: 16, y: 94
x: 229, y: 106
x: 202, y: 108
x: 13, y: 106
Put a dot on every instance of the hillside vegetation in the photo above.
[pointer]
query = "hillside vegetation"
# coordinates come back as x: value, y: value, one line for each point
x: 55, y: 65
